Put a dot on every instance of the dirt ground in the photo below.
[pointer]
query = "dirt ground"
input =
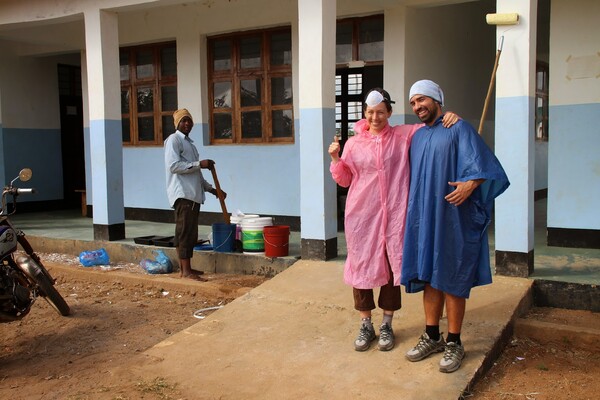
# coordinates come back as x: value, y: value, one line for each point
x: 555, y: 366
x: 120, y: 311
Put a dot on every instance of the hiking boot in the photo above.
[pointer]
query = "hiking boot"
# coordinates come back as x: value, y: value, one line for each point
x: 425, y: 348
x: 386, y: 337
x: 365, y: 336
x: 453, y: 356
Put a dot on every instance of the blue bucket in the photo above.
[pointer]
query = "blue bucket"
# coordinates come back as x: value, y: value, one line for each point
x: 223, y: 237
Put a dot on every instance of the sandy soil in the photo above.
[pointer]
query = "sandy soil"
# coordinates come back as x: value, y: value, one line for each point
x: 120, y: 311
x: 553, y: 365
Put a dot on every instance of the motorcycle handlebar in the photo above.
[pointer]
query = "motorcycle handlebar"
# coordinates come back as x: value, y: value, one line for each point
x: 14, y: 192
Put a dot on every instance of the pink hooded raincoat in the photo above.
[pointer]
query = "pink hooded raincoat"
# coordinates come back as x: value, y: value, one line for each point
x: 376, y: 169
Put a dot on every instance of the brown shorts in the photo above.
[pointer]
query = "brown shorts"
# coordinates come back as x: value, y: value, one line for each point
x: 390, y: 297
x: 186, y: 227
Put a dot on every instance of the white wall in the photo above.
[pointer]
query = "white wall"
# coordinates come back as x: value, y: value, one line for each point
x: 266, y: 179
x: 574, y: 163
x: 31, y: 119
x: 454, y: 46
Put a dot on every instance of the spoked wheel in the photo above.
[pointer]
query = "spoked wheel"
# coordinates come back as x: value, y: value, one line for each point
x: 42, y: 278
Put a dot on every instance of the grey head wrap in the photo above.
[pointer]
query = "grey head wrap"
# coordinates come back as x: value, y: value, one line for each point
x: 427, y: 88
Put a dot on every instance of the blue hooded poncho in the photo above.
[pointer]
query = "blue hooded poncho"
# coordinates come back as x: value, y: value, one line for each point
x: 446, y: 245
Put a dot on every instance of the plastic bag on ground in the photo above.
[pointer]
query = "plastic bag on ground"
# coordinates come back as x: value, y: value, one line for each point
x: 163, y: 260
x: 90, y: 258
x: 160, y: 265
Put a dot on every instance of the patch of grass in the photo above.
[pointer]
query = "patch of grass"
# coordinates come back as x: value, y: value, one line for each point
x: 159, y: 387
x: 542, y: 367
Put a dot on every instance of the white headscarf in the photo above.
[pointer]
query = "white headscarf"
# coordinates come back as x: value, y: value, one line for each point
x: 427, y: 88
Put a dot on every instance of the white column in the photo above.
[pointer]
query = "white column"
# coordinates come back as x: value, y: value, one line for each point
x: 394, y: 52
x: 316, y: 49
x: 515, y: 140
x: 106, y: 146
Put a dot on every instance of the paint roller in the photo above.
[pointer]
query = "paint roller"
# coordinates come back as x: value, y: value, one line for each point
x: 496, y: 19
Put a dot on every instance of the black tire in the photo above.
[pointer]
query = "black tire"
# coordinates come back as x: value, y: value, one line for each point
x: 49, y: 292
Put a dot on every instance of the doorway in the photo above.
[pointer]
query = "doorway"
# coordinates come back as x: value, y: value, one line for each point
x: 351, y: 86
x: 71, y: 128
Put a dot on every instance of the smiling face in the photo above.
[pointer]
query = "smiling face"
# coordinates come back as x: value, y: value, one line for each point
x: 185, y: 125
x: 424, y: 107
x: 377, y: 117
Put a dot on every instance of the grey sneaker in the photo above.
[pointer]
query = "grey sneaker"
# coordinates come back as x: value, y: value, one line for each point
x: 453, y: 357
x: 386, y: 337
x: 425, y: 348
x: 365, y: 336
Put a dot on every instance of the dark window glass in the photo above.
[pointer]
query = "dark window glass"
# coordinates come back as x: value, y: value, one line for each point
x: 221, y: 55
x: 343, y: 42
x: 251, y: 125
x: 222, y: 94
x: 168, y: 126
x: 223, y: 128
x: 250, y: 95
x: 124, y: 65
x: 281, y: 49
x: 146, y: 129
x: 250, y: 52
x: 169, y: 97
x: 281, y: 90
x: 145, y: 63
x: 370, y: 47
x: 125, y: 129
x: 124, y: 101
x: 283, y: 123
x: 145, y: 100
x: 168, y: 61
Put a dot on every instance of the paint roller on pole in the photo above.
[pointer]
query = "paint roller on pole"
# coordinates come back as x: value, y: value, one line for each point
x: 496, y: 19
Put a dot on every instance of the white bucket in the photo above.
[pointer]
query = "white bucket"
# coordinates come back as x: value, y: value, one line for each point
x: 237, y: 219
x: 253, y: 240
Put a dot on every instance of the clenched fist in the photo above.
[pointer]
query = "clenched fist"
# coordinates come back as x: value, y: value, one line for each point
x: 334, y: 149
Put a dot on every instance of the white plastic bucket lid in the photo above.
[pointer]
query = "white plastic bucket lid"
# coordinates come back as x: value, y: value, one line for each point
x: 256, y: 222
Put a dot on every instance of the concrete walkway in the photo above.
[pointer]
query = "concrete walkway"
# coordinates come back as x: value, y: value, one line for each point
x: 292, y: 338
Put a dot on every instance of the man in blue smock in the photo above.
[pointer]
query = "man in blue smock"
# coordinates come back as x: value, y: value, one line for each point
x: 454, y: 180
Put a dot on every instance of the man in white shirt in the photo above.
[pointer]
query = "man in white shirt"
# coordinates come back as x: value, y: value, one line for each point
x: 186, y: 188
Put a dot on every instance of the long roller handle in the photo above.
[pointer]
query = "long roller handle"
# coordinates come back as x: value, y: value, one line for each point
x: 220, y: 195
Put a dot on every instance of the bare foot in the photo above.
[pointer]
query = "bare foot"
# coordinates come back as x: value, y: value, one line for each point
x: 194, y: 277
x: 194, y: 272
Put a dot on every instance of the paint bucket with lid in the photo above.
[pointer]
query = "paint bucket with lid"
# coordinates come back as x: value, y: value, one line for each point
x: 277, y: 240
x: 237, y: 220
x: 223, y: 237
x: 253, y: 241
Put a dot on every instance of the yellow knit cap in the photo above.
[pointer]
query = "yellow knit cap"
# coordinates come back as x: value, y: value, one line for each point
x: 179, y: 114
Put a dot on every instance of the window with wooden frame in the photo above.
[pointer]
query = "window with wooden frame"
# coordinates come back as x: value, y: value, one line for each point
x: 359, y: 67
x: 148, y: 93
x: 250, y: 87
x: 359, y: 39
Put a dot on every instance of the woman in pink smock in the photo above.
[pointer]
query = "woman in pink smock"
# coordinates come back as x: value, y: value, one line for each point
x: 375, y: 168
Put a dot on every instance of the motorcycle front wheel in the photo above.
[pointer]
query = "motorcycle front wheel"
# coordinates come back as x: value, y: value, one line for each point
x: 41, y: 277
x: 49, y: 292
x: 36, y: 272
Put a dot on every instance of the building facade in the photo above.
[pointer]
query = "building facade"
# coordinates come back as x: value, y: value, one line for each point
x: 87, y: 90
